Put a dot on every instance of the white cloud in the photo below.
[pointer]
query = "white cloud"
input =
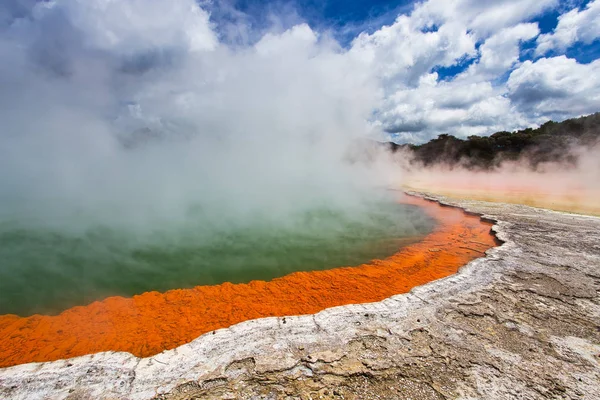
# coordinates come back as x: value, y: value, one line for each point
x: 418, y: 104
x: 556, y: 87
x: 462, y: 109
x: 501, y: 51
x: 299, y: 37
x: 573, y: 26
x: 483, y: 18
x: 401, y: 53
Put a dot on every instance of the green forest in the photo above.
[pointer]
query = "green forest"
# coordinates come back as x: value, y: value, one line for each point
x: 551, y: 142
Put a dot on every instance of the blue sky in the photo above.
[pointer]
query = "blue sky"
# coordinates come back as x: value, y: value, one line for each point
x: 464, y: 67
x: 345, y: 18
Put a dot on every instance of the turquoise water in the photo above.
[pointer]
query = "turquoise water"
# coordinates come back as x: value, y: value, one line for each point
x: 45, y: 270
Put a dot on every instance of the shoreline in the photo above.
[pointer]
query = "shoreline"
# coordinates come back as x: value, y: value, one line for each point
x: 573, y: 201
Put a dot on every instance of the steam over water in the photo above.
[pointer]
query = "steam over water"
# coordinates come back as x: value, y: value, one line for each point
x: 47, y: 271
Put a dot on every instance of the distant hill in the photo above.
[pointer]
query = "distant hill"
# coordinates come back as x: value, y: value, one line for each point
x: 551, y: 142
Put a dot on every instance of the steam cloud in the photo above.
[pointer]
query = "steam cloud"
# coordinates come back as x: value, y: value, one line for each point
x: 571, y: 183
x: 130, y: 113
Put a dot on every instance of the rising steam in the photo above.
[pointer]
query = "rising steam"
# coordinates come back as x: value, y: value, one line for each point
x: 135, y: 119
x: 571, y: 183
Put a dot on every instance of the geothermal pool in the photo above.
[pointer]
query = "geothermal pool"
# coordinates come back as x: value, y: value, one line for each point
x: 45, y: 271
x: 151, y: 322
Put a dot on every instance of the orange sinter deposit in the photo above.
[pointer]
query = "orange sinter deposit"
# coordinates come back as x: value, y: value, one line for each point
x: 152, y: 322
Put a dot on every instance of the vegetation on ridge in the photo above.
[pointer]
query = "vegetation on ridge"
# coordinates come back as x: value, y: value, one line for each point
x: 551, y: 142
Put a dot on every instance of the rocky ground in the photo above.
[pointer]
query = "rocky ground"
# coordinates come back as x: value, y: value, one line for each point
x: 522, y: 322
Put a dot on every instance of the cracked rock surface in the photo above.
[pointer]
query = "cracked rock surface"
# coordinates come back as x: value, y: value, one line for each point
x: 522, y: 322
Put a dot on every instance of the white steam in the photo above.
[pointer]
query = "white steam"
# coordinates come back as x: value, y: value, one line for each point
x: 131, y: 113
x: 560, y: 185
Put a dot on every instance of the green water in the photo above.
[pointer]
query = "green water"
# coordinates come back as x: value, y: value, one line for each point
x: 46, y: 271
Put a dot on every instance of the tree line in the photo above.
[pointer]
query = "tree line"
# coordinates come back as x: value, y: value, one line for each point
x: 551, y: 142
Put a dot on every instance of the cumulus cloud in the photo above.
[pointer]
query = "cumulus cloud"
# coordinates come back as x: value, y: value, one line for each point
x: 468, y: 104
x: 444, y: 34
x: 556, y: 87
x: 444, y: 68
x: 403, y: 52
x: 500, y: 52
x: 483, y: 18
x: 573, y: 26
x: 417, y: 104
